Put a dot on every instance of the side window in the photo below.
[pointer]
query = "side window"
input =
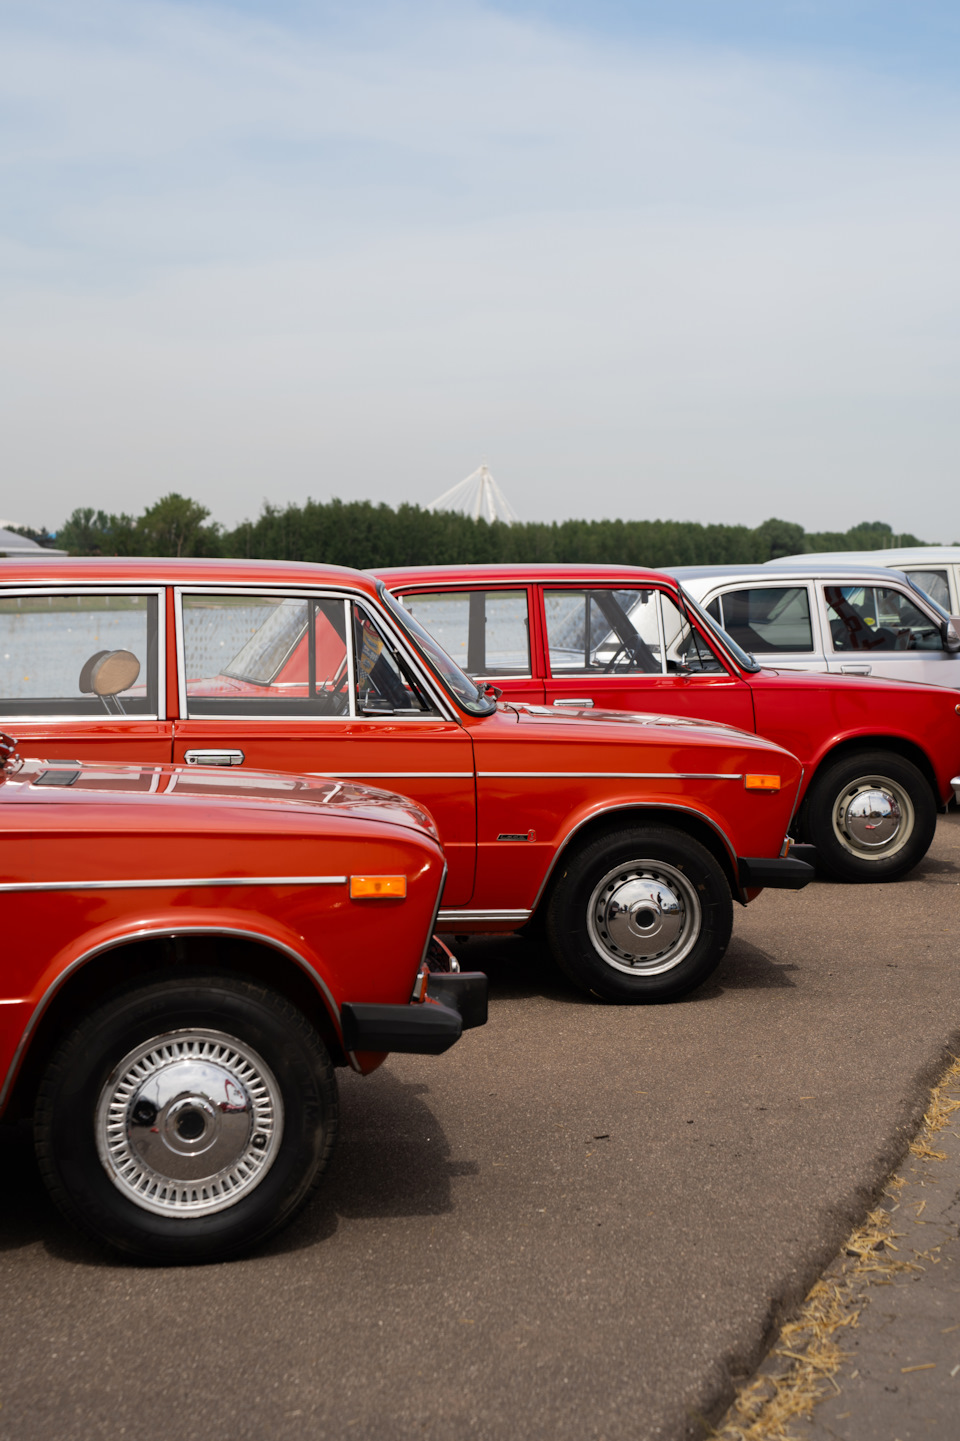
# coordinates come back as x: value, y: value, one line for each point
x: 878, y: 618
x: 487, y: 632
x: 684, y: 648
x: 935, y: 583
x: 769, y: 618
x: 265, y: 655
x: 79, y: 655
x: 597, y: 632
x: 384, y: 684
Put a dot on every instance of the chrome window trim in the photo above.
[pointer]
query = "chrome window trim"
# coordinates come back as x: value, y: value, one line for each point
x: 155, y: 933
x: 384, y: 621
x: 470, y: 588
x: 159, y: 592
x: 814, y: 600
x: 349, y: 596
x: 494, y: 676
x: 178, y: 882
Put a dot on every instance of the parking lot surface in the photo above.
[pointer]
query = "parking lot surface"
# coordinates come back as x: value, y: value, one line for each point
x: 584, y: 1221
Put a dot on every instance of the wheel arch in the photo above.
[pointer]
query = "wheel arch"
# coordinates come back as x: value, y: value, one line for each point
x: 897, y: 745
x: 112, y: 964
x: 693, y: 823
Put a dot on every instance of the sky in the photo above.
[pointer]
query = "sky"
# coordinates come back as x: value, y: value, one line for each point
x: 694, y: 260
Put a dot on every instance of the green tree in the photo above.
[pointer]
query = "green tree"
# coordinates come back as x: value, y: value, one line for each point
x: 94, y: 532
x: 175, y: 526
x: 780, y: 537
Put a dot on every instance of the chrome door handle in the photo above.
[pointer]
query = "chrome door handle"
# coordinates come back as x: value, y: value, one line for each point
x: 854, y: 670
x: 585, y: 704
x: 214, y: 758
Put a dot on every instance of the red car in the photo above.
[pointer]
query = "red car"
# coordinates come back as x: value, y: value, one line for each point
x: 628, y: 836
x: 187, y: 955
x: 878, y: 755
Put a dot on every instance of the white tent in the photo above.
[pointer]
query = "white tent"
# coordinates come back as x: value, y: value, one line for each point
x: 13, y: 544
x: 478, y: 495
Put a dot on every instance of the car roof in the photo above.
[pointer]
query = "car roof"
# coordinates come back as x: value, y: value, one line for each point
x: 516, y: 572
x: 152, y: 570
x: 904, y: 555
x: 782, y: 571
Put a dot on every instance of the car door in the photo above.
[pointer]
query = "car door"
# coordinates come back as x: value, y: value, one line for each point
x: 489, y: 631
x: 632, y: 649
x: 320, y: 683
x: 883, y: 630
x: 777, y: 624
x: 83, y: 672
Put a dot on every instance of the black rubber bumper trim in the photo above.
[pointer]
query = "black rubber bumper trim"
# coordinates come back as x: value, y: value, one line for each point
x: 464, y: 992
x: 780, y: 874
x: 420, y: 1029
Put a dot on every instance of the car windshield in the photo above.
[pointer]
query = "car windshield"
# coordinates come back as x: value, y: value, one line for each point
x: 469, y: 695
x: 743, y: 658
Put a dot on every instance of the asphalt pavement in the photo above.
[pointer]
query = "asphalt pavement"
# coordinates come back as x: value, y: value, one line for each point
x: 584, y: 1221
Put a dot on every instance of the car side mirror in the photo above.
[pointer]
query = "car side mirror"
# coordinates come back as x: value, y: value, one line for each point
x: 950, y: 630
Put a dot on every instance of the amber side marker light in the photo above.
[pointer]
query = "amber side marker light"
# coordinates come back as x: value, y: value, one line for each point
x: 762, y: 783
x: 378, y: 888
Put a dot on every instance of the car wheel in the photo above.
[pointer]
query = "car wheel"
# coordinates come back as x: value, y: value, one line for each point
x: 640, y: 914
x: 187, y: 1119
x: 871, y: 817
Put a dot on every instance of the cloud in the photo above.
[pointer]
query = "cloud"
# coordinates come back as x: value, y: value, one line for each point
x: 258, y: 256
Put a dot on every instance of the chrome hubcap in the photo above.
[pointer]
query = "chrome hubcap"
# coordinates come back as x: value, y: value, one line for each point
x: 644, y: 917
x: 188, y: 1123
x: 873, y: 817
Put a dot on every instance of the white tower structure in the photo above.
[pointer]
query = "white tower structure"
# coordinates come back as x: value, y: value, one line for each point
x: 478, y: 495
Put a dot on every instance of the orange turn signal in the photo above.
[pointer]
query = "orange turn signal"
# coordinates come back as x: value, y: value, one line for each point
x: 378, y: 888
x: 762, y: 783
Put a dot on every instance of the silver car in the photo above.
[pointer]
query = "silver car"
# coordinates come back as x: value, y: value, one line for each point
x: 849, y: 619
x: 934, y: 568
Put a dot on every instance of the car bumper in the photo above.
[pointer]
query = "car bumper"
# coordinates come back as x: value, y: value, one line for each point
x: 453, y: 1004
x: 781, y: 874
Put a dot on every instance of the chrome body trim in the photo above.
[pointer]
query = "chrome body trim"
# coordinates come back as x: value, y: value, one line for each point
x: 160, y: 595
x: 419, y: 775
x: 174, y: 882
x: 156, y: 933
x: 612, y: 775
x: 468, y: 915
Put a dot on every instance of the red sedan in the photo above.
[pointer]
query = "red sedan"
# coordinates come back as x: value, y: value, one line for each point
x: 187, y: 956
x: 628, y: 836
x: 878, y: 755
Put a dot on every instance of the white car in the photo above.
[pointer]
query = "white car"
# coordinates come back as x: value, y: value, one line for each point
x: 849, y: 619
x: 934, y: 568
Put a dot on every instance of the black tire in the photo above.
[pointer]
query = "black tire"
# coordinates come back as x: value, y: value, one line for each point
x: 639, y: 914
x: 187, y: 1119
x: 878, y: 839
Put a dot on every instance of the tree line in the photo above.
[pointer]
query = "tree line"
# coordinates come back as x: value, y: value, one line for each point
x: 359, y: 533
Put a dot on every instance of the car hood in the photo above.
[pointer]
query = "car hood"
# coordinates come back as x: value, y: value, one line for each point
x: 527, y: 713
x: 37, y: 782
x: 829, y: 680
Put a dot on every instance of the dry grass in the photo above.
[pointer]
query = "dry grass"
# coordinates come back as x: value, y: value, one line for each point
x: 809, y: 1351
